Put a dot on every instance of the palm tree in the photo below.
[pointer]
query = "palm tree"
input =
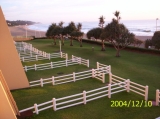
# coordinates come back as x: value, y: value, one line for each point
x: 117, y: 34
x: 79, y: 26
x: 117, y: 15
x: 101, y: 21
x: 61, y: 24
x: 79, y: 34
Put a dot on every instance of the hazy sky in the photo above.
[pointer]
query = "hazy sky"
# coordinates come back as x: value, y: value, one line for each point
x: 48, y: 11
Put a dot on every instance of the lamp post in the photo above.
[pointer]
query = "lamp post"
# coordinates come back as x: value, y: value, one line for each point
x: 35, y: 32
x: 156, y: 23
x: 26, y: 30
x: 60, y: 45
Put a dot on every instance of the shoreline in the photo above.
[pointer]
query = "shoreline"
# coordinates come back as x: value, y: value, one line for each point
x: 21, y: 31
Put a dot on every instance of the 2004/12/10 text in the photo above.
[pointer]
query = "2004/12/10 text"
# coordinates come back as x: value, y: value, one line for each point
x: 131, y: 103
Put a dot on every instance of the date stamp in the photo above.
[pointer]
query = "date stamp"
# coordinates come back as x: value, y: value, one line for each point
x: 131, y: 103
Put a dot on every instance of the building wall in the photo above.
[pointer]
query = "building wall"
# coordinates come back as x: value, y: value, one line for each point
x: 10, y: 63
x: 6, y: 111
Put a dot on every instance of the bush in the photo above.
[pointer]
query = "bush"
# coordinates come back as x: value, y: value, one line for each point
x: 156, y: 40
x: 148, y: 43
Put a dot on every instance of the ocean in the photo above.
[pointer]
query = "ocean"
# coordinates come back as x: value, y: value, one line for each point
x: 138, y: 27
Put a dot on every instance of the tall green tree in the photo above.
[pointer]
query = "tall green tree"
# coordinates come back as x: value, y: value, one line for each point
x: 49, y: 30
x: 56, y: 33
x: 77, y: 35
x: 101, y: 21
x: 61, y: 24
x: 96, y: 33
x: 79, y: 27
x: 156, y: 40
x: 117, y: 34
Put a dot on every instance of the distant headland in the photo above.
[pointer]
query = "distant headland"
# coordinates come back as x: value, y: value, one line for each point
x: 20, y: 22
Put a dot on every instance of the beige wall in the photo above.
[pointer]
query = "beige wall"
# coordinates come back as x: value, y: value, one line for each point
x: 6, y: 111
x: 10, y: 63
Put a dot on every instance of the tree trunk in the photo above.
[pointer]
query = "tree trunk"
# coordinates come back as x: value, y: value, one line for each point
x: 54, y: 41
x: 81, y: 43
x: 118, y: 53
x: 71, y: 44
x: 103, y: 46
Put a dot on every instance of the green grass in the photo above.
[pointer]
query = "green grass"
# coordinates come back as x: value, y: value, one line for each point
x: 138, y: 67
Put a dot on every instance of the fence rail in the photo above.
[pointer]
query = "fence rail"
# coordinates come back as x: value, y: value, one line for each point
x: 28, y: 53
x: 157, y: 97
x: 57, y: 64
x: 56, y: 80
x: 80, y: 60
x: 77, y: 99
x: 132, y: 86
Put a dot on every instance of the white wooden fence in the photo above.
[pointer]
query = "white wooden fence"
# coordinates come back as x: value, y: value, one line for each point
x: 28, y: 53
x: 42, y: 57
x: 157, y: 97
x: 80, y: 60
x: 55, y: 80
x: 77, y: 99
x: 52, y: 65
x: 134, y: 87
x: 105, y: 67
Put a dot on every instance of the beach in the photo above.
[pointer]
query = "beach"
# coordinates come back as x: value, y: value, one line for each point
x: 23, y: 31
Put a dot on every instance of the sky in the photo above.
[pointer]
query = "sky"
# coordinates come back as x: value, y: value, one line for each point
x: 49, y: 11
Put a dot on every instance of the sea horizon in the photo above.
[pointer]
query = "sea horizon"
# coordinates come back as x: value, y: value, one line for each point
x: 138, y: 27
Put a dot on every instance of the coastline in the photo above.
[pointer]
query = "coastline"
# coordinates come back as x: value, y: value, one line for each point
x: 22, y: 30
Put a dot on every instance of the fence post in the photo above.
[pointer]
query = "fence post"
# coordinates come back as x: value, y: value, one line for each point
x: 87, y: 63
x: 36, y: 58
x: 146, y: 93
x: 109, y: 90
x: 66, y: 63
x: 49, y: 56
x: 36, y: 108
x: 97, y: 65
x: 128, y: 85
x: 74, y: 79
x: 53, y: 82
x: 157, y: 97
x: 103, y: 77
x: 84, y: 97
x: 54, y: 104
x: 110, y: 78
x: 41, y: 80
x: 66, y: 56
x: 25, y: 68
x: 23, y: 59
x: 93, y: 73
x: 43, y: 54
x: 35, y: 67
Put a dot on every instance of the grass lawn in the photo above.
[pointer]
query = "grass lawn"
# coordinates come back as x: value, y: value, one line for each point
x: 138, y: 67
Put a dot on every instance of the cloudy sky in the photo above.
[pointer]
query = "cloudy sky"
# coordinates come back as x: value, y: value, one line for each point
x: 48, y: 11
